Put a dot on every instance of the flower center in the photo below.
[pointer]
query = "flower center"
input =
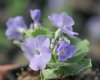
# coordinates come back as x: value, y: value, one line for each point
x: 63, y: 52
x: 37, y: 52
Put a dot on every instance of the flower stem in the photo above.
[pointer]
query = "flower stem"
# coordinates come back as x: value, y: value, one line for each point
x: 41, y: 75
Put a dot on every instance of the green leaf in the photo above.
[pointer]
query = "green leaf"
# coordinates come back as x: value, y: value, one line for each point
x: 58, y: 64
x: 74, y: 40
x: 67, y: 70
x: 83, y: 46
x: 75, y: 68
x: 41, y: 31
x: 82, y: 49
x: 28, y: 33
x: 18, y: 43
x: 50, y: 35
x: 50, y: 74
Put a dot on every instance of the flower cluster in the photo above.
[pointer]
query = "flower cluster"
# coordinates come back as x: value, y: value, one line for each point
x: 15, y: 26
x: 64, y: 23
x: 42, y: 48
x: 37, y: 52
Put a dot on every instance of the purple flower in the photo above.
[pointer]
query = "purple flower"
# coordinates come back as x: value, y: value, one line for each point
x: 35, y: 15
x: 65, y: 50
x: 37, y: 52
x: 64, y: 23
x: 14, y: 28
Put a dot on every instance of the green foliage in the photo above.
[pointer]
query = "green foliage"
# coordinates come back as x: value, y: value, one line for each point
x: 71, y: 66
x: 17, y: 43
x: 66, y: 70
x: 82, y: 47
x: 44, y: 32
x: 39, y: 31
x: 28, y: 33
x: 58, y: 64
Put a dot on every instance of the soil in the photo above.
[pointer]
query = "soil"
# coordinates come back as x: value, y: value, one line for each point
x: 88, y: 74
x: 27, y: 74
